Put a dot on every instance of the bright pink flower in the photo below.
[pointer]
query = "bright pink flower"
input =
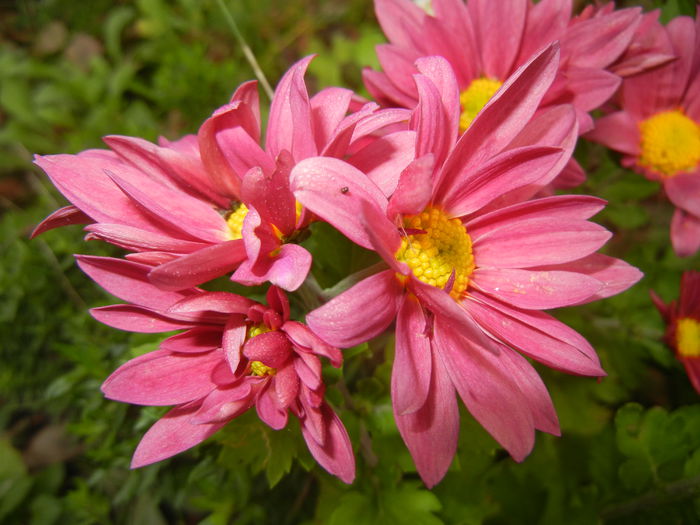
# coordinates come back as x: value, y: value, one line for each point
x: 683, y: 325
x: 486, y: 41
x: 233, y: 354
x: 657, y: 129
x: 203, y: 206
x: 468, y: 276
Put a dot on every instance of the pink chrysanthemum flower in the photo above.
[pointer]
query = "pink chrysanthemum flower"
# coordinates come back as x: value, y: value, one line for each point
x: 486, y: 41
x: 657, y: 129
x: 683, y: 325
x: 203, y: 206
x: 468, y: 276
x: 233, y: 354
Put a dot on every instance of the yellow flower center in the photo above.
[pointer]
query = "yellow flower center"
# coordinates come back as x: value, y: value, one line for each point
x: 445, y: 248
x: 258, y: 329
x: 259, y: 369
x: 474, y: 98
x: 670, y: 143
x: 235, y: 221
x: 688, y: 337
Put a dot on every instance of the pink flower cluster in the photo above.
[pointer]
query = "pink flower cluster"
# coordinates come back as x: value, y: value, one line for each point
x: 448, y: 179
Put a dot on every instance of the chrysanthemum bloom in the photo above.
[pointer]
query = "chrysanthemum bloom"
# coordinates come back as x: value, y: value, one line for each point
x: 233, y: 354
x: 204, y: 206
x: 657, y: 129
x: 467, y: 277
x: 683, y: 325
x: 486, y: 41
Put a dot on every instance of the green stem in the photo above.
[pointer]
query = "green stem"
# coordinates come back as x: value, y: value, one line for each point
x: 247, y: 52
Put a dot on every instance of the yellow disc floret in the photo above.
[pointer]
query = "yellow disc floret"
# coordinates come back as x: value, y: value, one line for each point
x: 474, y: 98
x: 445, y: 248
x: 688, y: 337
x: 670, y: 143
x: 259, y: 369
x: 235, y: 221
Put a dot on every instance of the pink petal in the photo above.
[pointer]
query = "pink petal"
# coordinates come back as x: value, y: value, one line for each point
x: 222, y: 302
x: 224, y: 404
x: 400, y: 20
x: 303, y: 338
x: 534, y: 242
x: 410, y: 375
x: 288, y: 269
x: 132, y: 238
x: 195, y: 340
x: 692, y: 368
x: 684, y: 191
x: 328, y: 108
x: 430, y: 120
x: 336, y: 455
x: 414, y: 188
x: 270, y: 195
x: 247, y: 93
x: 442, y: 76
x: 289, y: 124
x: 308, y: 368
x: 431, y: 432
x: 136, y: 319
x: 170, y: 435
x: 269, y: 409
x: 489, y: 393
x: 271, y: 348
x: 360, y: 313
x: 537, y: 341
x: 685, y: 233
x: 535, y: 290
x: 199, y: 267
x: 127, y: 280
x: 160, y: 378
x: 617, y: 131
x: 286, y: 383
x: 61, y: 217
x: 335, y: 191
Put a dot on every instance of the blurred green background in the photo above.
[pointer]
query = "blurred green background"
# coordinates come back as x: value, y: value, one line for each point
x: 71, y: 72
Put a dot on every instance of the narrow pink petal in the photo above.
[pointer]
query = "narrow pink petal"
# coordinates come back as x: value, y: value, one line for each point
x: 150, y: 258
x: 247, y: 93
x: 682, y: 33
x: 490, y: 394
x: 286, y: 384
x: 384, y: 237
x: 127, y: 280
x: 534, y: 341
x: 430, y: 120
x: 224, y: 404
x: 499, y: 30
x: 615, y: 274
x: 303, y: 338
x: 535, y: 242
x: 414, y: 188
x: 400, y: 20
x: 83, y: 181
x: 410, y: 375
x: 685, y: 233
x: 288, y: 269
x: 180, y: 210
x: 270, y: 195
x: 528, y: 380
x: 336, y: 455
x: 195, y: 340
x: 431, y: 432
x: 289, y: 125
x: 684, y: 191
x: 505, y: 115
x: 334, y: 190
x: 508, y: 171
x: 308, y: 368
x: 61, y: 217
x: 161, y: 378
x: 535, y: 290
x: 271, y: 348
x: 599, y: 41
x: 590, y: 88
x: 384, y: 158
x: 199, y: 267
x: 571, y: 176
x: 442, y: 76
x: 560, y: 207
x: 384, y: 91
x: 270, y: 410
x: 170, y: 435
x: 170, y: 166
x: 360, y: 313
x: 546, y: 22
x: 617, y: 131
x: 223, y: 302
x: 328, y: 108
x: 132, y: 238
x: 136, y: 319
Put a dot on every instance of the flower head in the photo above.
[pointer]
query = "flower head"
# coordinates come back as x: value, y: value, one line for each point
x: 657, y: 129
x: 683, y: 325
x: 470, y: 263
x: 207, y: 205
x: 232, y: 354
